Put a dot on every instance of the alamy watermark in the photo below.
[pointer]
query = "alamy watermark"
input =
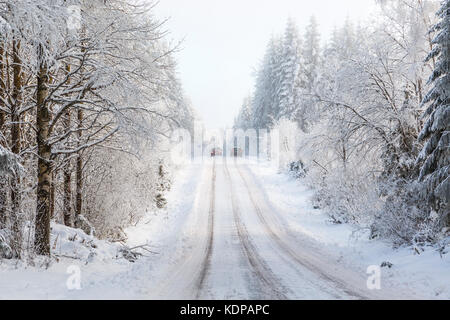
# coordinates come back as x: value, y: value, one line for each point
x: 74, y: 280
x: 374, y: 279
x: 74, y: 18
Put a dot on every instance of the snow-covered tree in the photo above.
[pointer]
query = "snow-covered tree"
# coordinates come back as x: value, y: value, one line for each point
x: 305, y: 113
x: 245, y: 117
x: 290, y: 72
x: 265, y: 101
x: 311, y: 52
x: 435, y: 156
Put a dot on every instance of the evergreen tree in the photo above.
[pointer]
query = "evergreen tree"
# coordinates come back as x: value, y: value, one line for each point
x: 290, y: 71
x: 311, y: 52
x: 435, y: 155
x: 265, y: 102
x: 245, y: 117
x: 308, y: 74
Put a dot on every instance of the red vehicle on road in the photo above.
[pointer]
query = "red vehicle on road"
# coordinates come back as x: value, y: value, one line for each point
x: 216, y: 152
x: 236, y: 152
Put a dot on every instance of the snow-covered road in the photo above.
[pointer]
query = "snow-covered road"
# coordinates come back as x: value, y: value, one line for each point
x: 242, y: 249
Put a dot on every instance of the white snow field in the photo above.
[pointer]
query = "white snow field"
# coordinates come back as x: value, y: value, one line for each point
x: 232, y: 231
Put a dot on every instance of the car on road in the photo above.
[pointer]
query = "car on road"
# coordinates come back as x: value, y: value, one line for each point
x: 216, y: 152
x: 236, y: 152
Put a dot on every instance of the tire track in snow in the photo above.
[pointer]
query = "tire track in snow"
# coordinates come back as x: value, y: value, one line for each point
x: 260, y: 269
x: 291, y: 253
x: 209, y: 248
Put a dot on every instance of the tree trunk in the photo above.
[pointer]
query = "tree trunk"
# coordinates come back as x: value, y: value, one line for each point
x: 79, y: 169
x: 42, y: 233
x: 54, y: 173
x: 16, y: 147
x: 52, y: 194
x: 15, y: 118
x: 3, y: 184
x: 67, y: 210
x: 79, y: 161
x: 67, y: 172
x: 2, y: 93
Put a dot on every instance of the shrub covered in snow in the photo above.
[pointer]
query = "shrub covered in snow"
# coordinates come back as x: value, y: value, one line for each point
x: 122, y: 189
x: 75, y: 244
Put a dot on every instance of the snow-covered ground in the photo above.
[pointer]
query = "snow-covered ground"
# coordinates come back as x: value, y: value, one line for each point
x: 230, y: 231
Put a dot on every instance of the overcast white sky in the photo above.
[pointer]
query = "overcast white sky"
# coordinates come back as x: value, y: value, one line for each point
x: 225, y: 39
